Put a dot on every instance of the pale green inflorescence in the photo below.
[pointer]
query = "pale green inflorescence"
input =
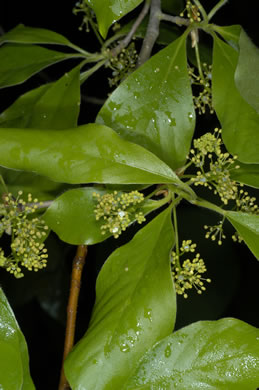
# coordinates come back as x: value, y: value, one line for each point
x: 118, y: 210
x: 188, y: 273
x: 27, y: 234
x: 214, y: 172
x: 192, y: 12
x: 203, y: 99
x: 122, y: 64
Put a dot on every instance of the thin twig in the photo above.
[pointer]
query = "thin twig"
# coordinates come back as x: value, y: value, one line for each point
x: 85, y: 75
x: 151, y: 33
x: 78, y: 264
x: 40, y: 205
x: 175, y: 19
x: 124, y: 42
x: 216, y: 8
x: 93, y: 100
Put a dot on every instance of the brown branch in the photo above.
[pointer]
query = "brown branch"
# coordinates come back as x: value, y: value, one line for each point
x: 151, y: 33
x: 124, y: 43
x: 77, y: 268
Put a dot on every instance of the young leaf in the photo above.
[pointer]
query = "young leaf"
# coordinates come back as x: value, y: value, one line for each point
x: 239, y: 121
x: 71, y: 216
x: 19, y: 62
x: 53, y: 106
x: 23, y: 34
x: 247, y: 225
x: 88, y: 154
x: 247, y: 174
x: 111, y: 12
x: 14, y: 373
x: 246, y: 75
x: 222, y: 355
x: 135, y: 307
x: 153, y: 107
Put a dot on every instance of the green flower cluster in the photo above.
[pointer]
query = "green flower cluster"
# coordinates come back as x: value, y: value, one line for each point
x: 118, y: 210
x: 204, y: 98
x: 187, y: 274
x: 214, y: 172
x: 215, y: 232
x: 122, y: 65
x: 192, y: 12
x: 208, y: 148
x: 89, y: 15
x: 27, y: 234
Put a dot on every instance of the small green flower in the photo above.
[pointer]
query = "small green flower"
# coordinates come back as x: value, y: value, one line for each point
x: 118, y: 210
x: 214, y: 172
x: 204, y: 98
x: 27, y: 234
x: 187, y: 274
x: 192, y: 12
x: 122, y: 65
x: 215, y: 232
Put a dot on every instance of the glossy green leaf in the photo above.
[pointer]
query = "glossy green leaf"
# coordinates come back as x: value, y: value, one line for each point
x: 111, y: 12
x: 14, y: 372
x: 71, y: 216
x: 19, y: 62
x: 40, y: 187
x: 58, y: 108
x: 135, y: 307
x: 247, y: 174
x: 19, y: 113
x: 88, y: 154
x: 247, y: 225
x: 153, y: 107
x: 222, y: 355
x: 246, y: 75
x: 23, y: 34
x: 239, y: 121
x: 231, y: 34
x: 52, y: 106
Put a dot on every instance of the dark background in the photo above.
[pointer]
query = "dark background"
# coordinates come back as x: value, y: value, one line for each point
x: 39, y: 300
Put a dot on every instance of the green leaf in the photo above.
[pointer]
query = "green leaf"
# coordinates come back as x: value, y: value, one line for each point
x: 111, y: 12
x: 239, y: 121
x: 53, y: 106
x: 222, y: 355
x: 22, y: 34
x: 71, y: 216
x: 14, y: 373
x: 153, y: 107
x: 247, y: 225
x: 246, y: 75
x: 247, y: 174
x: 19, y: 62
x: 88, y: 154
x: 231, y: 34
x: 40, y: 187
x: 135, y: 307
x: 19, y: 113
